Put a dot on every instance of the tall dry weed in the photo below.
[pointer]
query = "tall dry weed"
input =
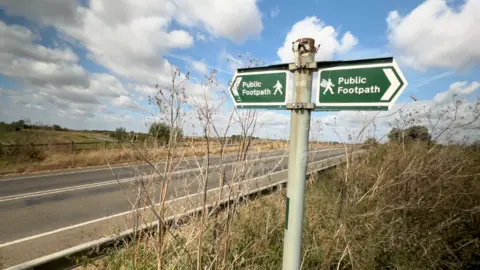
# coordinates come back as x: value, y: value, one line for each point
x: 401, y: 208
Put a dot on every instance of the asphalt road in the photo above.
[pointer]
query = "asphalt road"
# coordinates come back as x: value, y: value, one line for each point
x: 32, y: 205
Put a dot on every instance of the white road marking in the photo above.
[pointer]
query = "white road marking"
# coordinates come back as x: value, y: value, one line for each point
x: 82, y: 224
x: 112, y: 182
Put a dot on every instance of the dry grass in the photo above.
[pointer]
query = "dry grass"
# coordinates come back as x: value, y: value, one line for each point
x: 398, y: 207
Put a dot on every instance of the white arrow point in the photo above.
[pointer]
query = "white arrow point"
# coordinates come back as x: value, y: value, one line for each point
x: 394, y: 83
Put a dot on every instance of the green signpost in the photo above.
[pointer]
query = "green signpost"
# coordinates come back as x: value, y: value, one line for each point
x: 359, y: 87
x: 266, y: 89
x: 366, y: 84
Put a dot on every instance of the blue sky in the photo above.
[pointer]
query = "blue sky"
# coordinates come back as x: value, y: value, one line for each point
x: 92, y: 64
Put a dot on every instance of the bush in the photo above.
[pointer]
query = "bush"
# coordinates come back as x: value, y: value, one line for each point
x: 414, y: 133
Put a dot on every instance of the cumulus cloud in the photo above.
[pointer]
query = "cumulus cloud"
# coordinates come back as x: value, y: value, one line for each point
x: 326, y: 35
x: 457, y: 89
x: 134, y: 49
x: 50, y: 76
x: 106, y: 85
x: 18, y: 40
x: 221, y: 24
x: 45, y: 11
x: 42, y: 73
x: 130, y: 37
x: 436, y: 34
x: 20, y: 58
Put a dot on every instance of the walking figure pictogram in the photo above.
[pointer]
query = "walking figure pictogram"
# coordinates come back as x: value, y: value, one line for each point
x: 328, y: 86
x: 278, y: 88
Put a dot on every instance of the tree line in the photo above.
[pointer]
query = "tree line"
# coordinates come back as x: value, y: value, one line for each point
x: 412, y: 134
x: 160, y: 132
x: 25, y: 124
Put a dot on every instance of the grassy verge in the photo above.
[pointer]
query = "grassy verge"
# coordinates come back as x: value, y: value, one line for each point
x: 398, y: 207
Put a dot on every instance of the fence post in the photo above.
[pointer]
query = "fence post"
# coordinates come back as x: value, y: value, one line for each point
x: 72, y: 146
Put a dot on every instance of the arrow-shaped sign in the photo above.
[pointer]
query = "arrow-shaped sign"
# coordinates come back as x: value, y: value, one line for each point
x: 394, y: 84
x: 266, y: 89
x: 359, y: 87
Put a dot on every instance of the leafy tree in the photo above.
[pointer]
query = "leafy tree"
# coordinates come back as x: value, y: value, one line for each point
x: 119, y: 134
x: 395, y: 135
x: 370, y: 141
x: 57, y: 127
x: 18, y: 125
x: 238, y: 138
x: 419, y: 133
x: 161, y: 132
x: 414, y: 133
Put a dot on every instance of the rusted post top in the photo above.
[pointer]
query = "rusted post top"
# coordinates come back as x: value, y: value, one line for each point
x: 310, y: 42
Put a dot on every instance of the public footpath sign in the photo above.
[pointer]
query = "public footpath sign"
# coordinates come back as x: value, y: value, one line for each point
x: 267, y: 89
x: 364, y: 84
x: 359, y: 87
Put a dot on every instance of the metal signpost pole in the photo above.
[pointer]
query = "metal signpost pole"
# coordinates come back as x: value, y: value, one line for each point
x: 304, y: 53
x: 365, y: 84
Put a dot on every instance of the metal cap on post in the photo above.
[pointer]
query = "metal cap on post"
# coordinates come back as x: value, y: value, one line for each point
x: 304, y: 55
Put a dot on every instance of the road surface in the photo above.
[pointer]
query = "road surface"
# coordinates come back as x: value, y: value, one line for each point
x: 38, y: 204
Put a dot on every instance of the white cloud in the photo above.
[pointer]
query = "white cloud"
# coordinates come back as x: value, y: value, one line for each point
x: 20, y: 58
x: 236, y: 20
x: 45, y: 11
x: 127, y: 102
x: 274, y: 12
x: 130, y: 38
x: 18, y: 40
x: 179, y: 39
x: 133, y: 49
x: 325, y: 35
x: 106, y: 85
x: 50, y: 76
x: 42, y: 73
x: 199, y: 66
x: 435, y: 34
x: 457, y: 89
x: 145, y: 90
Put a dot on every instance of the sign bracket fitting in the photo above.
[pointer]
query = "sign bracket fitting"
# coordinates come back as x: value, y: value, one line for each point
x: 300, y: 106
x: 293, y: 67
